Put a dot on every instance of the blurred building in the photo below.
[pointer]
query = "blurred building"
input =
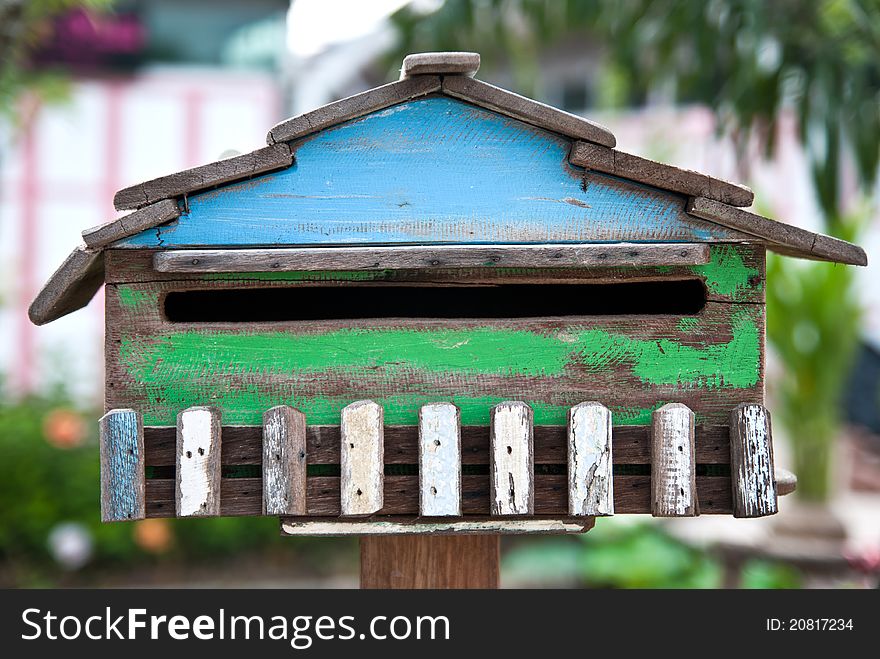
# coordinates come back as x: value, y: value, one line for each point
x: 156, y: 87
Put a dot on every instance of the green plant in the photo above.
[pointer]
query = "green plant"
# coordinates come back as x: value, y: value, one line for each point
x: 813, y: 321
x: 25, y: 25
x: 619, y: 555
x: 49, y: 475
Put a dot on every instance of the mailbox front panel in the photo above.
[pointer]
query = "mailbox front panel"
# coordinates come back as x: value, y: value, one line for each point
x: 710, y: 360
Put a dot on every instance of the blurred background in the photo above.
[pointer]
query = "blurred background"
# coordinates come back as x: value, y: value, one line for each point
x: 784, y: 96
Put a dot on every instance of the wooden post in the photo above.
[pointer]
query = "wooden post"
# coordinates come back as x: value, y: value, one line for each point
x: 425, y: 561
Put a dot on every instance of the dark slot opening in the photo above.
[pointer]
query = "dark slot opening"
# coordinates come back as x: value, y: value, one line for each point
x: 248, y: 305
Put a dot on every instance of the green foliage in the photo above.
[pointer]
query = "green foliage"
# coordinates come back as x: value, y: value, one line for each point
x: 25, y: 25
x: 42, y: 485
x: 813, y: 320
x: 616, y: 555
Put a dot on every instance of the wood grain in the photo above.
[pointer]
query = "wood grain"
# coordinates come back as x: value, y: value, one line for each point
x: 242, y: 445
x: 420, y: 257
x: 751, y: 462
x: 513, y: 459
x: 445, y: 63
x: 198, y: 490
x: 211, y: 175
x: 590, y: 462
x: 439, y: 460
x: 649, y: 172
x: 673, y: 469
x: 70, y: 287
x: 284, y: 461
x: 527, y: 110
x: 430, y: 562
x: 734, y: 273
x: 781, y: 237
x: 122, y: 466
x: 786, y: 481
x: 362, y: 458
x: 522, y: 189
x: 632, y: 495
x: 142, y: 219
x: 711, y: 362
x: 409, y: 525
x: 352, y: 107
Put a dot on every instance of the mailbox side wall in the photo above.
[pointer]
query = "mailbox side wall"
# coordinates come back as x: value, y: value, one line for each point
x: 711, y: 361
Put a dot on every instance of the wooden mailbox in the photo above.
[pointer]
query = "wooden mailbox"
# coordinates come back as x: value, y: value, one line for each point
x: 434, y: 307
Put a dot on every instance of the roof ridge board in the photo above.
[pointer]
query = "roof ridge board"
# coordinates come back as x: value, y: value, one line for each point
x: 218, y: 172
x: 142, y: 219
x: 525, y: 109
x: 440, y: 63
x: 657, y: 174
x: 353, y: 107
x: 793, y: 240
x: 70, y: 287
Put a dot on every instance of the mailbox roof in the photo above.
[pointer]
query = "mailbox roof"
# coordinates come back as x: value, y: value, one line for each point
x: 714, y: 208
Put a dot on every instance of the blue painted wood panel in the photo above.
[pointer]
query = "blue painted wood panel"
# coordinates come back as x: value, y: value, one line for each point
x: 431, y: 170
x: 122, y: 466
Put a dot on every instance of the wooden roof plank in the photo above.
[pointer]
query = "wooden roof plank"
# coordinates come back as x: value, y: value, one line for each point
x: 353, y: 107
x: 206, y: 176
x: 70, y: 287
x: 783, y: 238
x: 438, y: 256
x: 443, y: 63
x: 527, y: 110
x: 132, y: 224
x: 650, y: 172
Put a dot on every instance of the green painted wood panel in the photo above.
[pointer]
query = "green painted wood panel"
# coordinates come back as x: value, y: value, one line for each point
x: 711, y: 361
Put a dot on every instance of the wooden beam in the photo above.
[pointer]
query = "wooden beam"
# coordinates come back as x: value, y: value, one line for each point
x: 438, y: 257
x: 417, y: 525
x: 198, y: 462
x: 284, y: 461
x: 70, y: 287
x: 786, y: 481
x: 783, y: 238
x: 430, y: 562
x: 525, y: 109
x: 440, y: 460
x: 242, y: 445
x: 132, y: 224
x: 590, y: 473
x: 751, y: 462
x: 352, y: 107
x: 445, y: 63
x: 657, y: 174
x: 632, y: 495
x: 206, y: 176
x: 673, y: 471
x: 512, y: 488
x: 122, y: 466
x: 362, y: 489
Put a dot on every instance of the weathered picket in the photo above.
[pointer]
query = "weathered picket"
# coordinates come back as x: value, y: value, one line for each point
x: 513, y: 459
x: 284, y: 461
x: 122, y: 466
x: 198, y: 462
x: 590, y: 473
x: 673, y: 468
x: 362, y: 459
x: 751, y: 462
x: 440, y: 460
